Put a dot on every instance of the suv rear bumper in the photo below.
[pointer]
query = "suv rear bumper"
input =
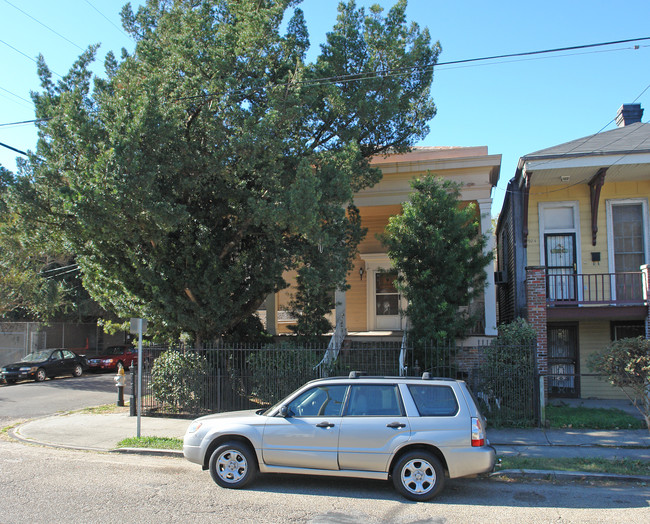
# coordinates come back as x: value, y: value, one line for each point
x: 464, y: 462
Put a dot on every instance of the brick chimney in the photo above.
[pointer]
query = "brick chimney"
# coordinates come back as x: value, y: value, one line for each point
x: 629, y: 114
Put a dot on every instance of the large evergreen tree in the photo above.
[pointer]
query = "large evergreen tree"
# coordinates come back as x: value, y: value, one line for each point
x: 437, y: 247
x: 214, y: 158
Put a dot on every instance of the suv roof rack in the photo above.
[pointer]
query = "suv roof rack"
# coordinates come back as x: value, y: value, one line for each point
x: 357, y: 374
x: 427, y: 376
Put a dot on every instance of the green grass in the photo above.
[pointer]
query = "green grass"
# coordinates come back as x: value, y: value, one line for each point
x: 151, y: 442
x: 102, y: 410
x: 588, y: 465
x: 591, y: 418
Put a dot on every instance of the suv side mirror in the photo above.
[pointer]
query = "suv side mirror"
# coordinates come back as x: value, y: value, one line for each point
x: 284, y: 411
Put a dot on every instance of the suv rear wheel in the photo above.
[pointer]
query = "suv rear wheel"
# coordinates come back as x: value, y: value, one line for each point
x: 418, y: 475
x: 233, y: 465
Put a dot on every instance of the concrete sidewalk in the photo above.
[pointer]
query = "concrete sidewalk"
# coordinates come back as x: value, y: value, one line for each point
x: 94, y: 431
x: 572, y: 443
x: 103, y: 432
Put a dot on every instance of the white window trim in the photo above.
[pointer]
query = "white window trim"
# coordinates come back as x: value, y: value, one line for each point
x: 610, y: 227
x: 543, y: 206
x: 376, y: 262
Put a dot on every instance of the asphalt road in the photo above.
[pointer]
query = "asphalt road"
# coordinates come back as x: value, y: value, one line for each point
x: 36, y: 399
x: 55, y: 485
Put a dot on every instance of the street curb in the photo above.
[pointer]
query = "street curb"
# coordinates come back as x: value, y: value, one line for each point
x: 567, y: 475
x: 149, y: 451
x: 13, y: 433
x: 581, y: 446
x: 134, y: 451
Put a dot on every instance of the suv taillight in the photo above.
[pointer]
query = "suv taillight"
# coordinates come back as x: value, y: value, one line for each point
x: 478, y: 433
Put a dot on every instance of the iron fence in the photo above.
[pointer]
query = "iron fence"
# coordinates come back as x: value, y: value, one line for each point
x: 245, y: 377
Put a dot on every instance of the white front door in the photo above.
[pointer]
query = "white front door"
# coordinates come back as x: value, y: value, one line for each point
x: 385, y: 305
x: 387, y: 302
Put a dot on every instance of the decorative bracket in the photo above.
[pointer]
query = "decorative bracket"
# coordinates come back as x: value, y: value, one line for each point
x: 595, y: 185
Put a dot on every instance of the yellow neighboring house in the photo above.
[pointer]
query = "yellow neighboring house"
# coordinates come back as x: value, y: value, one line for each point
x: 371, y: 306
x: 572, y: 244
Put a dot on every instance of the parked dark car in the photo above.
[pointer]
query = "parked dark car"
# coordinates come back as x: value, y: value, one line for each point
x: 43, y: 364
x: 114, y: 358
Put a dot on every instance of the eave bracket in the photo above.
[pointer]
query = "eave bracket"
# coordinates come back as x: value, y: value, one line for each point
x: 595, y: 185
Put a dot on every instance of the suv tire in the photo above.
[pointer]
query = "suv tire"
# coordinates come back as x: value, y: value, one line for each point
x: 233, y: 465
x: 418, y: 475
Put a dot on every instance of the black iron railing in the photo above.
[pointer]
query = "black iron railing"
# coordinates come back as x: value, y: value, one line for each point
x: 245, y: 377
x: 595, y: 289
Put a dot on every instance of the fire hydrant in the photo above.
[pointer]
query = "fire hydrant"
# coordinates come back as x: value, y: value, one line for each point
x: 119, y: 382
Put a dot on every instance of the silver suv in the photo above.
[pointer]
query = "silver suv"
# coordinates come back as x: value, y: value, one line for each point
x: 415, y: 430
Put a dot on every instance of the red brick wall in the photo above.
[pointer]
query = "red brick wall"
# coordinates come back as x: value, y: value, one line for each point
x: 536, y: 308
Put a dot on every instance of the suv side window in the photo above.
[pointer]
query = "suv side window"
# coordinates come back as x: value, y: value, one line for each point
x: 375, y: 400
x: 321, y: 401
x: 434, y: 401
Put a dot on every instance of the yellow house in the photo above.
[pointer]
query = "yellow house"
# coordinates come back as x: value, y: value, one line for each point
x: 371, y: 306
x: 572, y: 242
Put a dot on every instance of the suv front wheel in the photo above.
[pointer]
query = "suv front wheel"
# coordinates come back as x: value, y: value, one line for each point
x: 233, y: 465
x: 418, y: 475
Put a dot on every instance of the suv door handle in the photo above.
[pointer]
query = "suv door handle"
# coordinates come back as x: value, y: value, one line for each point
x: 396, y: 425
x: 324, y: 425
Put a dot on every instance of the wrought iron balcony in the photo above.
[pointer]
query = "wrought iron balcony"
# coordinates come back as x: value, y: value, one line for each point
x: 610, y: 289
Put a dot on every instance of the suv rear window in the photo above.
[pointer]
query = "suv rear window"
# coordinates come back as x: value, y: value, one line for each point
x: 434, y: 401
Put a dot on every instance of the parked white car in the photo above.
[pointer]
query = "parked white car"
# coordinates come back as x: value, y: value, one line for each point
x: 415, y: 430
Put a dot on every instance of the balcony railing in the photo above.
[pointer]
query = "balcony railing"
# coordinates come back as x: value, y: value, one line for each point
x: 614, y: 289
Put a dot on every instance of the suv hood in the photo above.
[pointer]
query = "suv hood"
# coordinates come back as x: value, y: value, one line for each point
x: 231, y: 416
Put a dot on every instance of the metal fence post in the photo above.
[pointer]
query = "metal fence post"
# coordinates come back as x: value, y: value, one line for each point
x: 542, y: 402
x: 132, y: 402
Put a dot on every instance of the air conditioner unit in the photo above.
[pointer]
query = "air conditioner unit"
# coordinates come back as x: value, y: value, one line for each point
x: 500, y: 277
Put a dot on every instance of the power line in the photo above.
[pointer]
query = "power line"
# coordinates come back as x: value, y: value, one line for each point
x: 27, y: 56
x: 108, y: 19
x: 44, y: 25
x: 13, y: 149
x: 586, y: 153
x: 581, y: 143
x: 14, y: 94
x: 18, y: 102
x: 35, y: 121
x: 355, y: 77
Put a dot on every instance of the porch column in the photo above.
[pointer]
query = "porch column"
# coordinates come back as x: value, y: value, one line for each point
x: 490, y: 295
x: 537, y: 317
x: 271, y: 315
x: 645, y: 270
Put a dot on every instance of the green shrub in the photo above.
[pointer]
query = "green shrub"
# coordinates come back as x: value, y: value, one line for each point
x: 179, y: 379
x: 626, y: 363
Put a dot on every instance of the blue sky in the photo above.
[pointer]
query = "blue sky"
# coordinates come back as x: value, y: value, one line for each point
x: 513, y: 106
